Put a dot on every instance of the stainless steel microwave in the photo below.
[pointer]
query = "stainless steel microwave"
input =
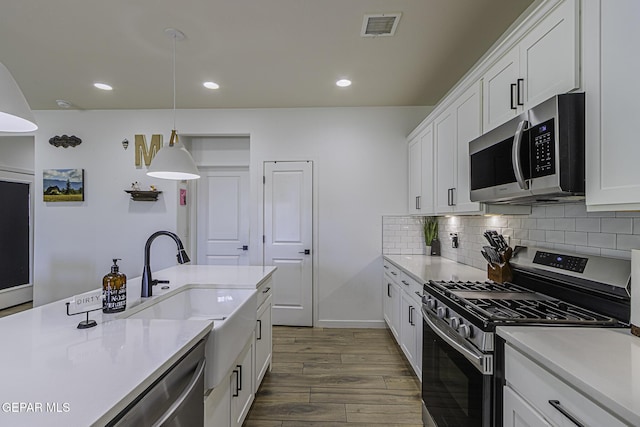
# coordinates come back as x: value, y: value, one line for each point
x: 536, y: 157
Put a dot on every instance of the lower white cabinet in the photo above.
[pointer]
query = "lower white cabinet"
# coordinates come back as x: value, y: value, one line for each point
x: 533, y: 396
x: 402, y: 313
x: 263, y: 341
x: 242, y: 386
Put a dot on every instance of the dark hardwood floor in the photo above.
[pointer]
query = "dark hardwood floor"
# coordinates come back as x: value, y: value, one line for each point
x: 336, y: 378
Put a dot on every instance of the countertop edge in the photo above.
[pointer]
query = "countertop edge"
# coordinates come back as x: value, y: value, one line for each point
x: 128, y: 399
x: 579, y: 385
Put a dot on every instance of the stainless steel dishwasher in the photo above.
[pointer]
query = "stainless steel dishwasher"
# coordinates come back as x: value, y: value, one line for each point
x: 175, y: 400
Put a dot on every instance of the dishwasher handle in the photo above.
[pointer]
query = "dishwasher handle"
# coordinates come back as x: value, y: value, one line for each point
x: 183, y: 396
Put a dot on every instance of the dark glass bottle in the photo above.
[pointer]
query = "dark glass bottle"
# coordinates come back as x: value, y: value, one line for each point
x: 114, y: 290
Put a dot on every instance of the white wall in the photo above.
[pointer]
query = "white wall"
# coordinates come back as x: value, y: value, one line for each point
x: 359, y: 159
x: 17, y: 153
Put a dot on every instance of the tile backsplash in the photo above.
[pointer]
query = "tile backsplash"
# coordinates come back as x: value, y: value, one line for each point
x: 566, y: 227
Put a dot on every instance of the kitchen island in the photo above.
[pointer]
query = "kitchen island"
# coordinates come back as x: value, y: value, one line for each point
x: 54, y: 374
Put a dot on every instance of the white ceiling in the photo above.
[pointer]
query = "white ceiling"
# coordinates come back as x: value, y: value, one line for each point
x: 263, y: 53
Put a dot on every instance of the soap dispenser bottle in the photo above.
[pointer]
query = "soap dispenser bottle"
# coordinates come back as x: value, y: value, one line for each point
x: 114, y: 290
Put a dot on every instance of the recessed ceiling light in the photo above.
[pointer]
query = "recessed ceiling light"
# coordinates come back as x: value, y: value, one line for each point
x: 211, y: 85
x: 103, y: 86
x: 343, y: 83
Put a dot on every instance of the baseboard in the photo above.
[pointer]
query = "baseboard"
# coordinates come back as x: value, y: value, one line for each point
x: 15, y: 296
x: 359, y: 324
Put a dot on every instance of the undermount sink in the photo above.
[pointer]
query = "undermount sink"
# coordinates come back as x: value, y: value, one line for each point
x: 233, y: 312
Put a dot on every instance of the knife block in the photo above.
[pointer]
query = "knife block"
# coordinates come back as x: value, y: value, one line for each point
x: 501, y: 273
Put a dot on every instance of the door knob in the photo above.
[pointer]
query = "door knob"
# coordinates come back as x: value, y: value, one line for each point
x: 244, y: 248
x: 306, y: 252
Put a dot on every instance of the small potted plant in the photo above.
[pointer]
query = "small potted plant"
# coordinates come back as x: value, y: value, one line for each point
x: 430, y: 231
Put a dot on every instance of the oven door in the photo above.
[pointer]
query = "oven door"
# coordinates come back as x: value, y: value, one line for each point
x: 457, y: 384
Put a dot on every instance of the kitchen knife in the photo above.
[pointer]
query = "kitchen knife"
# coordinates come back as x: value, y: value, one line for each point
x: 503, y: 242
x: 493, y: 254
x: 487, y: 235
x: 488, y: 258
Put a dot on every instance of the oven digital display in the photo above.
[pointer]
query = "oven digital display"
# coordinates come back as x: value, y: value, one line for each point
x: 564, y: 262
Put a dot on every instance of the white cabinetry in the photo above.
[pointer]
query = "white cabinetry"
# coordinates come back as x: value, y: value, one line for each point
x: 544, y: 63
x: 263, y: 336
x: 411, y: 322
x: 229, y: 403
x: 402, y: 312
x: 391, y: 295
x: 611, y: 69
x: 534, y: 396
x: 453, y: 130
x: 421, y: 173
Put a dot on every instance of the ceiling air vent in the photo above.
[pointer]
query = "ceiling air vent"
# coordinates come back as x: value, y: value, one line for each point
x: 383, y: 24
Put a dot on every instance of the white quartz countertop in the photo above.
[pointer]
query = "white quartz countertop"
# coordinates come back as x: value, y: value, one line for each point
x: 425, y: 267
x: 602, y: 363
x: 53, y: 374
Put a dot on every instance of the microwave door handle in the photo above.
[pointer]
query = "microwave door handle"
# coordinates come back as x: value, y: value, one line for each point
x: 515, y: 155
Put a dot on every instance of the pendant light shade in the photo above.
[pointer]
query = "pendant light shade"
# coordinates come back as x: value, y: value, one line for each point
x: 173, y: 161
x: 15, y: 114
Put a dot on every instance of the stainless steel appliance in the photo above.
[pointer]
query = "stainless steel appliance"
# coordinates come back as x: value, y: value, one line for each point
x: 174, y: 400
x: 462, y: 366
x: 534, y: 158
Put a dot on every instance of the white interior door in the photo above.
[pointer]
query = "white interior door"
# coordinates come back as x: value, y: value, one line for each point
x: 223, y: 217
x: 288, y: 242
x: 16, y: 229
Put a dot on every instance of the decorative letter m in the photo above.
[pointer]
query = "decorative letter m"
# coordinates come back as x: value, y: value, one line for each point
x: 147, y: 153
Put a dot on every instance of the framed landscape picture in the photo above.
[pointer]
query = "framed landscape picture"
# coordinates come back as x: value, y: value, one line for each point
x: 63, y: 185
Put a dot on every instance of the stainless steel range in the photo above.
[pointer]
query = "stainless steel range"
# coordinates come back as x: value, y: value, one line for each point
x: 462, y: 360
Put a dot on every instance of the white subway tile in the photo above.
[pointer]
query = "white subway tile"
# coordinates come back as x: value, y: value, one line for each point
x: 537, y: 235
x: 616, y: 225
x: 555, y: 211
x: 588, y: 224
x: 628, y: 241
x: 576, y: 238
x: 636, y: 226
x: 601, y: 214
x: 546, y: 224
x: 574, y: 210
x: 565, y: 224
x: 588, y: 250
x: 554, y: 236
x: 628, y: 214
x: 616, y: 253
x: 602, y: 240
x: 521, y: 234
x: 394, y: 251
x: 538, y: 212
x: 564, y: 247
x: 515, y: 223
x: 530, y: 224
x: 406, y: 251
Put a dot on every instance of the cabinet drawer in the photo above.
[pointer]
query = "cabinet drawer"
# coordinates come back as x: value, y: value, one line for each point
x: 538, y: 387
x: 411, y: 286
x: 265, y: 291
x: 392, y: 271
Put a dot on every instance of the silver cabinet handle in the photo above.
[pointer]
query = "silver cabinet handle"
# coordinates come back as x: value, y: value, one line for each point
x: 411, y: 316
x: 418, y: 202
x: 239, y: 377
x: 556, y: 404
x: 515, y: 155
x: 389, y: 289
x: 236, y: 393
x: 266, y: 290
x: 405, y: 282
x: 259, y: 337
x: 188, y: 390
x: 513, y: 104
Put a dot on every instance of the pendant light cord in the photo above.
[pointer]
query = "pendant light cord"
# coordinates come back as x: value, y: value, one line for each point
x: 174, y: 81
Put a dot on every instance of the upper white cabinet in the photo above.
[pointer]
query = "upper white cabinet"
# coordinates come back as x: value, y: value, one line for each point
x: 611, y: 32
x: 453, y: 130
x: 421, y: 173
x: 544, y: 63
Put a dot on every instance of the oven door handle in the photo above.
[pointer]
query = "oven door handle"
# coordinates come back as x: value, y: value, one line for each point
x: 482, y: 362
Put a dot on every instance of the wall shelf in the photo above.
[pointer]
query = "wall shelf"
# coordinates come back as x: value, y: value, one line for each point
x: 143, y: 196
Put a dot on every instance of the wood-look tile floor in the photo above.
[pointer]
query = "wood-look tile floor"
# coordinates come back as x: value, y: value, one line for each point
x: 336, y: 378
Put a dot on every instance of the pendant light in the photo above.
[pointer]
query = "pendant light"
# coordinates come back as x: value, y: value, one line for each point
x: 173, y: 161
x: 15, y: 114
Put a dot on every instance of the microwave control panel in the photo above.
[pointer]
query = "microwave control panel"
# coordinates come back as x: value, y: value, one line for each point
x: 543, y: 153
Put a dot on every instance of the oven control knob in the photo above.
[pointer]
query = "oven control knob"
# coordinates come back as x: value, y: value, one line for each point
x: 465, y: 331
x: 455, y: 323
x: 441, y: 312
x: 431, y: 303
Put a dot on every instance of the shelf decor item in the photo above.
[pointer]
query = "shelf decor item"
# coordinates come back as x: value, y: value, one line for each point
x: 63, y: 185
x: 430, y: 232
x: 65, y: 141
x: 144, y: 196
